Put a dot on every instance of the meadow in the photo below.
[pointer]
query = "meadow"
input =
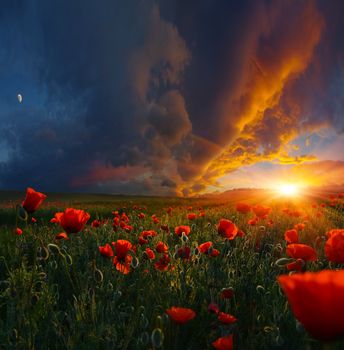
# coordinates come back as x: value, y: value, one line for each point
x: 114, y: 283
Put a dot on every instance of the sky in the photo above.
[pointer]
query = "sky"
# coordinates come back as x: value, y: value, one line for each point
x: 170, y: 97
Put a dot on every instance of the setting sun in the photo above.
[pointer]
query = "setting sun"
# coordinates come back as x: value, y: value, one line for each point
x: 288, y: 190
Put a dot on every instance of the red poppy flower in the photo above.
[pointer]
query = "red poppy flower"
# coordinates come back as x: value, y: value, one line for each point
x: 18, y: 231
x: 227, y: 228
x: 301, y: 251
x: 226, y: 318
x: 227, y: 293
x: 72, y: 220
x: 155, y: 219
x: 123, y: 265
x: 223, y: 343
x: 33, y: 220
x: 332, y: 232
x: 180, y: 229
x: 162, y: 263
x: 33, y: 200
x: 204, y: 247
x: 161, y: 247
x: 299, y: 227
x: 201, y: 214
x: 296, y: 265
x: 261, y: 211
x: 165, y: 228
x: 95, y: 223
x: 296, y: 213
x: 62, y: 235
x: 169, y: 211
x: 142, y: 241
x: 334, y: 247
x: 291, y: 236
x: 243, y: 208
x: 213, y: 308
x: 106, y: 250
x: 184, y: 253
x: 316, y: 299
x: 148, y: 233
x: 241, y: 233
x: 143, y: 238
x: 125, y: 217
x: 214, y: 253
x: 141, y: 216
x: 191, y: 216
x: 122, y: 247
x: 286, y: 210
x: 180, y: 315
x: 252, y: 222
x: 128, y: 228
x: 150, y: 254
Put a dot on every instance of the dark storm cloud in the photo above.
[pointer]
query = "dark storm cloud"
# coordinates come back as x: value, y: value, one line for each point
x: 110, y: 77
x: 154, y: 97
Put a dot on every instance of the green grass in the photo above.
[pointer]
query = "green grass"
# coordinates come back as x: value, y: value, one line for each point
x: 65, y: 295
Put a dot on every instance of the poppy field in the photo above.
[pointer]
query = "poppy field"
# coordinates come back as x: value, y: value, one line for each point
x: 252, y: 272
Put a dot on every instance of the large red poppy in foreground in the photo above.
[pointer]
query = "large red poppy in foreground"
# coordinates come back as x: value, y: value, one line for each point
x: 33, y: 200
x: 227, y: 228
x: 72, y: 220
x: 316, y: 299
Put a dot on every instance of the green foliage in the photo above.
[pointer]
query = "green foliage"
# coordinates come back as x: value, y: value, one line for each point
x: 65, y: 295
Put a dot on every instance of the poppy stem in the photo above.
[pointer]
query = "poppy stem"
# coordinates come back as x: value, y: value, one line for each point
x: 17, y: 209
x: 177, y: 336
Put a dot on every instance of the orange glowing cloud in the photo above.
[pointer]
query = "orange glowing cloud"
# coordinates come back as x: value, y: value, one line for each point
x: 262, y: 116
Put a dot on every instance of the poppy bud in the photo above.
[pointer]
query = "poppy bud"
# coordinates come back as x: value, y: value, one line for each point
x: 13, y: 336
x: 260, y: 289
x: 42, y: 253
x: 34, y: 299
x: 69, y: 260
x: 144, y: 338
x: 184, y: 237
x: 42, y: 275
x: 21, y: 213
x: 279, y: 340
x: 157, y: 338
x: 18, y: 231
x: 54, y: 249
x: 143, y: 321
x: 135, y: 262
x: 98, y: 276
x: 283, y: 261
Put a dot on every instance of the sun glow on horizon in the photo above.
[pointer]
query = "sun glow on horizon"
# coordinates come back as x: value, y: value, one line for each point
x: 288, y: 190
